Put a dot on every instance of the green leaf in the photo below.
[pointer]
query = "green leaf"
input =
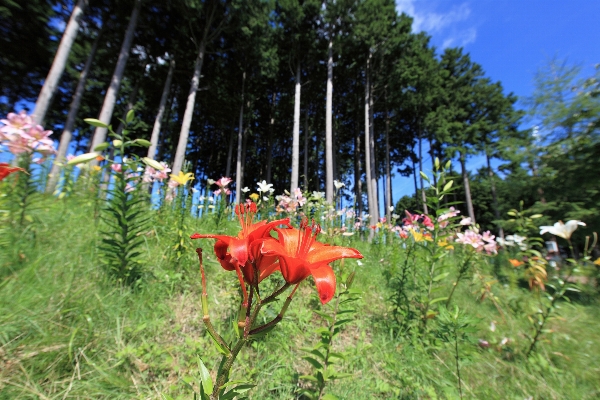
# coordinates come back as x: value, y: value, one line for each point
x: 152, y: 163
x: 205, y: 378
x: 313, y: 362
x: 438, y: 300
x: 329, y: 396
x: 441, y: 276
x: 95, y: 122
x: 102, y: 146
x: 87, y: 157
x: 142, y: 142
x: 235, y: 382
x: 323, y: 315
x: 130, y: 116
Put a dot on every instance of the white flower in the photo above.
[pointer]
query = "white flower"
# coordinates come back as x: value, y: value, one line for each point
x: 211, y: 199
x: 395, y: 216
x: 359, y: 262
x: 338, y: 185
x: 194, y: 190
x: 466, y: 221
x: 245, y: 190
x: 210, y: 181
x: 563, y: 230
x: 271, y: 190
x: 265, y: 198
x: 347, y: 233
x: 318, y: 195
x: 264, y: 187
x: 391, y: 208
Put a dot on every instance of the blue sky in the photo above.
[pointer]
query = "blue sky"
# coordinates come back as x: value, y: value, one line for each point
x: 510, y: 39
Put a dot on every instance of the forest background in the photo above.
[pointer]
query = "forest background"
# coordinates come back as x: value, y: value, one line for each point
x: 260, y: 75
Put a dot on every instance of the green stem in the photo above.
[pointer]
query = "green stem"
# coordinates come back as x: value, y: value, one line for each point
x: 457, y: 363
x: 331, y: 330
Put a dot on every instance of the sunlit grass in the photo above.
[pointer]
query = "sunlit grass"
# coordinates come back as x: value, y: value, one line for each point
x: 67, y: 331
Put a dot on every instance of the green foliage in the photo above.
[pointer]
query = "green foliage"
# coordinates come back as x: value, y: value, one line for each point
x: 322, y: 357
x: 125, y: 216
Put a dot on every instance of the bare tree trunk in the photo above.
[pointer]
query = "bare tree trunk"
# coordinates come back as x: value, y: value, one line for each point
x: 67, y: 134
x: 423, y: 195
x: 374, y: 184
x: 161, y: 110
x: 415, y: 178
x: 230, y: 151
x: 115, y: 82
x: 328, y: 127
x: 467, y: 187
x: 59, y: 63
x: 270, y: 138
x: 296, y: 134
x: 357, y: 172
x: 189, y: 110
x: 306, y: 135
x: 388, y: 178
x: 432, y: 155
x: 238, y: 163
x: 244, y: 151
x: 494, y: 194
x: 370, y: 188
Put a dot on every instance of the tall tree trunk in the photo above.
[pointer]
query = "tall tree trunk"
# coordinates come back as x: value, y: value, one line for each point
x: 115, y: 82
x: 67, y: 134
x: 306, y: 136
x: 372, y: 159
x: 59, y: 63
x: 465, y: 177
x: 296, y: 134
x: 371, y: 188
x: 357, y: 171
x: 414, y: 166
x: 494, y: 194
x: 230, y: 151
x: 423, y: 195
x: 238, y: 163
x: 189, y: 109
x: 388, y: 178
x: 328, y: 126
x: 432, y: 156
x: 270, y: 143
x: 161, y: 110
x: 244, y: 151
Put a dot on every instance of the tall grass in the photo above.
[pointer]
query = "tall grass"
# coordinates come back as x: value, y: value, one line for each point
x: 66, y: 331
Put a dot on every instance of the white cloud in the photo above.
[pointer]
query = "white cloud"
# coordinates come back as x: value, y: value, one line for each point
x: 461, y: 38
x: 433, y: 22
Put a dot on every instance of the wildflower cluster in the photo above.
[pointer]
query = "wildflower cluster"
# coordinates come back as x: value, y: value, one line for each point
x: 156, y: 175
x: 290, y: 203
x: 21, y: 135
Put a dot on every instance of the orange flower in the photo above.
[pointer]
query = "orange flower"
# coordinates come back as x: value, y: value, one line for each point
x: 515, y: 263
x: 237, y: 252
x: 300, y: 255
x: 6, y: 170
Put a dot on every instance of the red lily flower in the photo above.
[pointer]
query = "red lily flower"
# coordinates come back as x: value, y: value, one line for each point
x: 6, y: 170
x: 235, y: 252
x: 300, y: 256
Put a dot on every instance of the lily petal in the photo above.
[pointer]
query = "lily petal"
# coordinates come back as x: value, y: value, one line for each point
x: 325, y: 282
